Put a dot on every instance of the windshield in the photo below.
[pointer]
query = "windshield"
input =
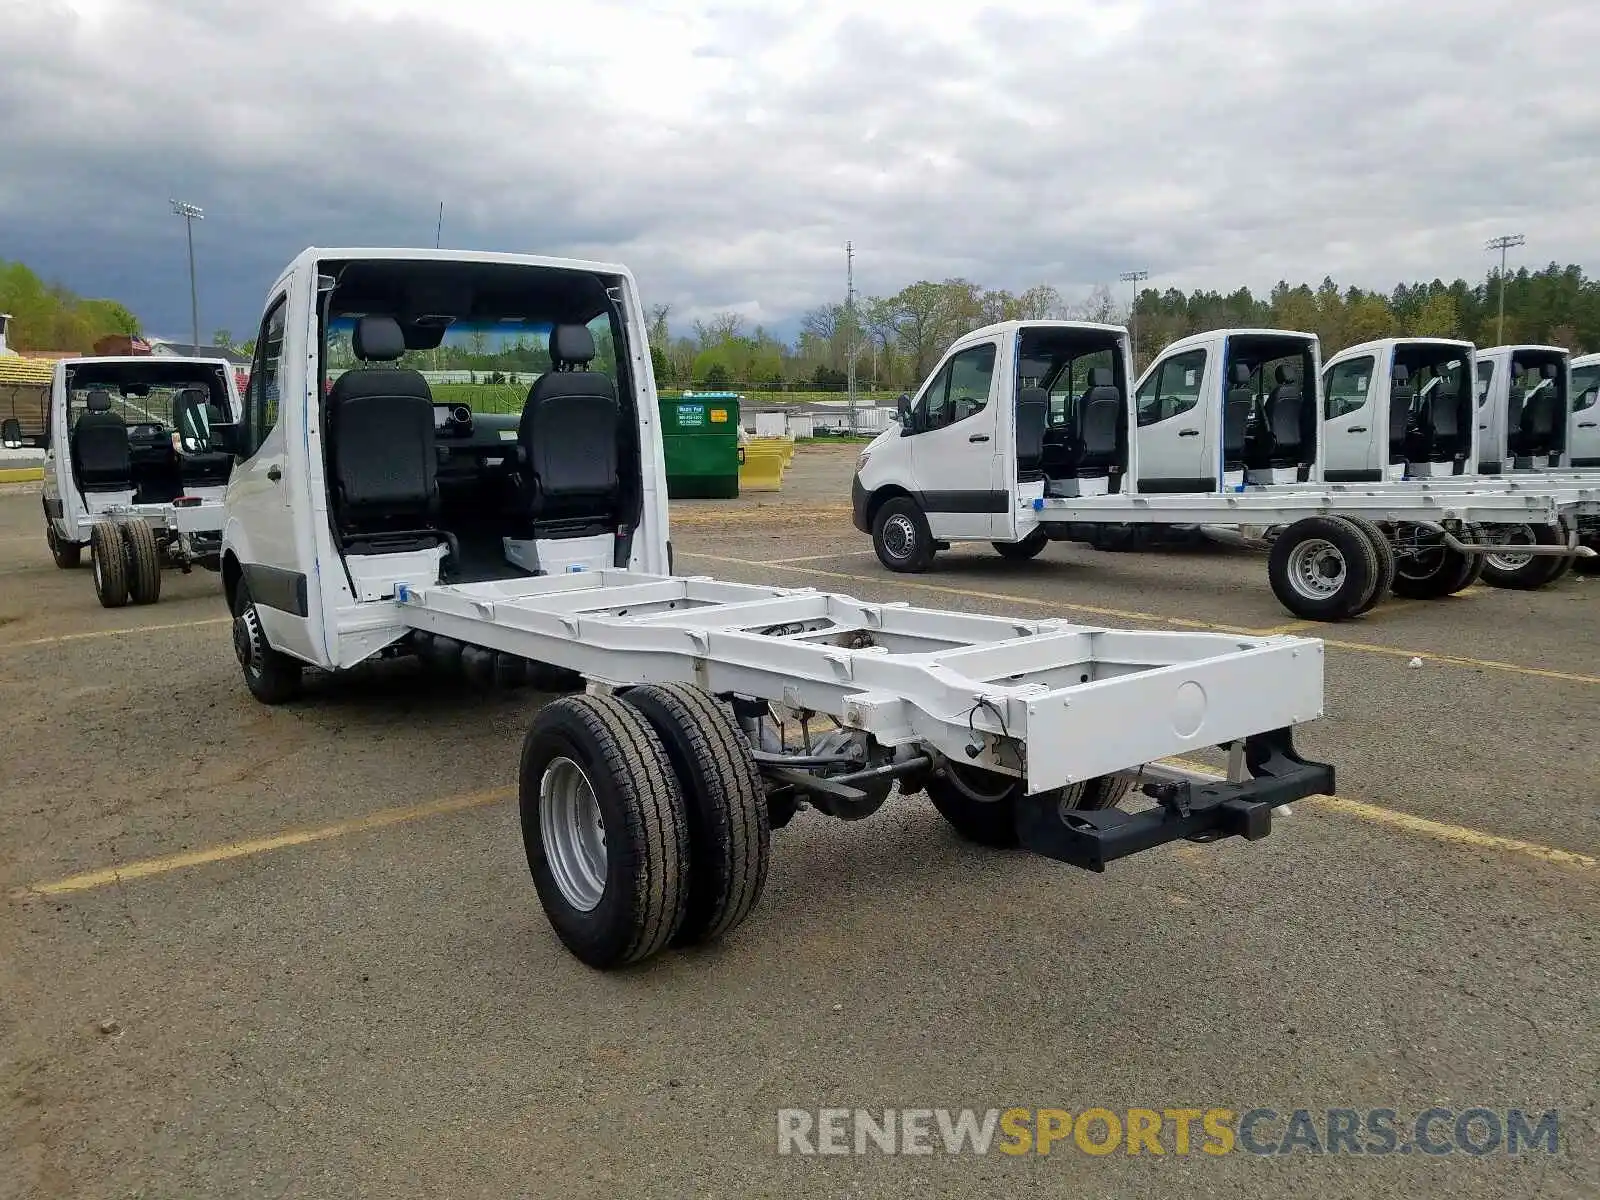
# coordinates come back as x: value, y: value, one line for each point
x: 487, y: 365
x: 143, y: 405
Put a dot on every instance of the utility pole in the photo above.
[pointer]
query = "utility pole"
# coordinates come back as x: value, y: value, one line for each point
x: 850, y: 330
x: 190, y: 214
x: 1135, y: 278
x: 438, y: 230
x: 1502, y: 244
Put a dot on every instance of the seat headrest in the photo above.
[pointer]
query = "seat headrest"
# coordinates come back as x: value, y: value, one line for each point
x: 378, y: 339
x: 1241, y: 374
x: 1286, y: 373
x: 98, y: 401
x: 1549, y: 370
x: 571, y: 344
x: 1032, y: 396
x: 1100, y: 377
x: 1400, y: 374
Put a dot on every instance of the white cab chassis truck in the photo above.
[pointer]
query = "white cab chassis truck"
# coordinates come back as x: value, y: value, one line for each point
x: 131, y: 469
x: 1421, y: 408
x: 364, y: 520
x: 1028, y: 431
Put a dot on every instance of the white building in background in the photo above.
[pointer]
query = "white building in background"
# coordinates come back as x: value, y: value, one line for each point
x: 5, y: 319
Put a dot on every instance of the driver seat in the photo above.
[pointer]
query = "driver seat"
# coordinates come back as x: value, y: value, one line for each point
x: 195, y: 416
x: 1401, y: 396
x: 381, y: 447
x: 101, y: 457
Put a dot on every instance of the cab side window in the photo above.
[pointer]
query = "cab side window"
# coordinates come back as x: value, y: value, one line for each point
x: 1174, y: 389
x: 1347, y: 386
x: 261, y: 399
x: 1485, y: 378
x: 959, y: 391
x: 1585, y: 382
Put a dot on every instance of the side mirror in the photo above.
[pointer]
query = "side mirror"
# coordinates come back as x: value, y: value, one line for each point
x: 902, y: 412
x: 11, y: 433
x: 1589, y: 397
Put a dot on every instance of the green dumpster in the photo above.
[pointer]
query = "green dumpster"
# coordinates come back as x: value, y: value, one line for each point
x: 700, y: 440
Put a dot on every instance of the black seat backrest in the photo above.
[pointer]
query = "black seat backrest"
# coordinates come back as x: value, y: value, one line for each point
x: 1099, y: 417
x: 1236, y: 409
x: 1282, y: 410
x: 195, y: 416
x: 100, y: 451
x: 1541, y: 413
x: 1033, y: 415
x: 381, y: 440
x: 569, y: 427
x: 1401, y: 394
x: 1444, y: 411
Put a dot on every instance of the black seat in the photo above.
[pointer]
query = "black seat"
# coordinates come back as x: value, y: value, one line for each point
x: 1033, y: 415
x: 195, y: 416
x: 1401, y: 396
x: 1275, y: 440
x: 568, y: 437
x: 101, y: 457
x: 1236, y: 409
x: 381, y: 445
x: 1539, y: 425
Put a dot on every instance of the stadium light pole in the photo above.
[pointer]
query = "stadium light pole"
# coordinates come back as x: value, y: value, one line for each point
x: 1135, y: 278
x: 190, y: 214
x: 1503, y: 244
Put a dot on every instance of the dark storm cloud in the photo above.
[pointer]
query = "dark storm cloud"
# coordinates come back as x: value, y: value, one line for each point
x: 1213, y: 143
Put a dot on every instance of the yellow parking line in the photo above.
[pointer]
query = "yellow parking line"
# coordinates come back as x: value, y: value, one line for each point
x: 1454, y: 660
x: 144, y: 868
x: 1460, y: 835
x: 104, y: 633
x: 21, y: 474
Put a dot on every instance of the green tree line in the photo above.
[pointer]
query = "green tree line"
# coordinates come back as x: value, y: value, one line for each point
x: 896, y: 339
x: 47, y: 316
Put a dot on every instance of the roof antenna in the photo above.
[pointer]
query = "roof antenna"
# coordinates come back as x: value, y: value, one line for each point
x: 439, y: 228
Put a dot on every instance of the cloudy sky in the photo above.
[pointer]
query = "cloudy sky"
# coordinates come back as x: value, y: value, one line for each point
x: 727, y: 150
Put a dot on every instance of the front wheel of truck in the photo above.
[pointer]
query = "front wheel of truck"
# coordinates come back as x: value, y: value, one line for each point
x: 271, y: 676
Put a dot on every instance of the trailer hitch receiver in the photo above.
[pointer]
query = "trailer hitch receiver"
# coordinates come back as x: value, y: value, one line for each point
x: 1197, y: 812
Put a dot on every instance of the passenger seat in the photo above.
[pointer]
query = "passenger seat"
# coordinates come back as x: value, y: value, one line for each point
x: 568, y: 437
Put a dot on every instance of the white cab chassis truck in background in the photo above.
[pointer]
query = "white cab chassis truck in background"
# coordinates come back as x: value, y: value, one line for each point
x: 1028, y: 431
x: 1436, y: 408
x: 130, y: 469
x: 364, y: 521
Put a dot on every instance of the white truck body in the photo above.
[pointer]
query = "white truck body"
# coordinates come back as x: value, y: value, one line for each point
x: 1583, y: 439
x: 357, y: 528
x: 1524, y: 409
x: 1400, y: 408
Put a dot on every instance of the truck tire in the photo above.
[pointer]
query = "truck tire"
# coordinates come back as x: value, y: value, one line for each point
x: 1323, y: 568
x: 604, y: 830
x: 67, y: 554
x: 108, y: 556
x: 1586, y: 566
x: 144, y: 562
x: 1384, y: 553
x: 272, y: 676
x: 1427, y: 569
x: 901, y: 537
x: 1028, y: 547
x: 730, y: 842
x: 1524, y: 572
x: 981, y: 806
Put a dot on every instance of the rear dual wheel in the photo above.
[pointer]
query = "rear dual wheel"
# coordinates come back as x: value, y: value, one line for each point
x: 644, y: 821
x: 108, y: 558
x: 1428, y: 569
x: 1327, y: 568
x: 1525, y: 572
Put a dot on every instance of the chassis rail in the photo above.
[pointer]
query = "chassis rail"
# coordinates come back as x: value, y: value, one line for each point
x: 1046, y: 701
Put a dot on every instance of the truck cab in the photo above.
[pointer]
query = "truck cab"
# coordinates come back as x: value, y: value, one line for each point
x: 125, y: 433
x: 357, y: 477
x: 1583, y: 439
x: 1216, y: 411
x: 1524, y: 407
x: 1400, y: 408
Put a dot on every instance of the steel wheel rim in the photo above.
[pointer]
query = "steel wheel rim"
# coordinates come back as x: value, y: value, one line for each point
x: 969, y: 781
x: 1316, y: 569
x: 99, y: 579
x: 899, y: 537
x: 573, y: 833
x: 1520, y: 534
x: 247, y: 641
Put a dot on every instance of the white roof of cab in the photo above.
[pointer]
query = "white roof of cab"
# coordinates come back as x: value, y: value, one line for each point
x: 428, y: 254
x: 1211, y: 335
x: 164, y: 361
